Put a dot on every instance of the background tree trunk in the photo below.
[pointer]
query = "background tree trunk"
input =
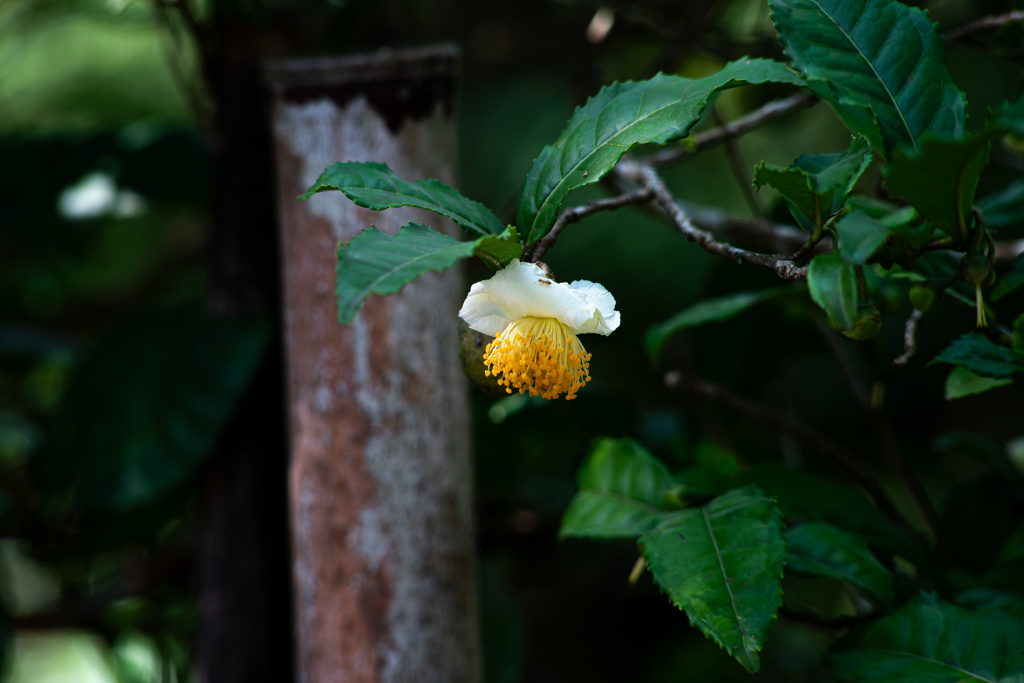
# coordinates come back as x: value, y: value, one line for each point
x: 245, y: 633
x: 380, y: 481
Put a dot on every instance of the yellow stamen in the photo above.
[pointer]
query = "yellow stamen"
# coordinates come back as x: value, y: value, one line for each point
x: 539, y: 356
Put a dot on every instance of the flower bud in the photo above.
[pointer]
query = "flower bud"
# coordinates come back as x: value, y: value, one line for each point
x: 471, y: 355
x: 976, y: 269
x: 868, y: 323
x: 924, y: 295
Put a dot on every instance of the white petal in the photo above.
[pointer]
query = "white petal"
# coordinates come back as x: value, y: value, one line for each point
x: 606, y: 320
x: 482, y: 314
x: 521, y: 289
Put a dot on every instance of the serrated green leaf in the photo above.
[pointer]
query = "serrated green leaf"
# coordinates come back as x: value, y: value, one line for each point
x: 1010, y: 281
x: 374, y: 262
x: 620, y: 116
x: 375, y: 186
x: 817, y: 185
x: 939, y: 179
x: 833, y: 286
x: 962, y: 382
x: 808, y: 497
x: 930, y: 640
x: 982, y: 356
x: 876, y: 55
x: 1004, y: 209
x: 146, y: 407
x: 621, y: 492
x: 722, y: 565
x: 708, y: 311
x: 863, y: 239
x: 822, y: 550
x: 1008, y: 116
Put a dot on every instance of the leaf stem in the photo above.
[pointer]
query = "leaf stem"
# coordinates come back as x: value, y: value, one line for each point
x: 862, y: 284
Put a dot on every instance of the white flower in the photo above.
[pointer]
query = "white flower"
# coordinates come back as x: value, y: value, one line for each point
x: 535, y: 321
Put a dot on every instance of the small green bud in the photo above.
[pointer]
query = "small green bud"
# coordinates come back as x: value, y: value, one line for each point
x: 868, y: 323
x: 471, y: 354
x: 924, y: 295
x: 676, y: 498
x: 976, y: 269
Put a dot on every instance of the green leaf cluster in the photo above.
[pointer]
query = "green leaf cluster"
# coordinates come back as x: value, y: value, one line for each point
x: 715, y: 543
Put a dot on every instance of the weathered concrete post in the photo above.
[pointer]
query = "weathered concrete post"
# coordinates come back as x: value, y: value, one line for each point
x: 381, y: 519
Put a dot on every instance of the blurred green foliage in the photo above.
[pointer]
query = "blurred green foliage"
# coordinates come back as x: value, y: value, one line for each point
x: 106, y: 212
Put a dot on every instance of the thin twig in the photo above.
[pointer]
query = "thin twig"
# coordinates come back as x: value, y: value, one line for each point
x: 887, y: 439
x: 578, y: 213
x: 739, y: 171
x: 716, y: 136
x: 647, y: 177
x: 909, y: 340
x: 779, y: 422
x: 986, y: 24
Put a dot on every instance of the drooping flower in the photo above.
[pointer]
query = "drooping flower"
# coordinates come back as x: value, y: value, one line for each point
x: 535, y: 322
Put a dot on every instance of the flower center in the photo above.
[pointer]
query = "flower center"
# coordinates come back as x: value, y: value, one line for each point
x: 540, y: 356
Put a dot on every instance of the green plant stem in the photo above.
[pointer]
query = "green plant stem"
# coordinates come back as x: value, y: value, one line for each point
x: 862, y: 284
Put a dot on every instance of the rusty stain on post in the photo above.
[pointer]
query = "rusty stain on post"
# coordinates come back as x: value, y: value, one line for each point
x: 380, y: 478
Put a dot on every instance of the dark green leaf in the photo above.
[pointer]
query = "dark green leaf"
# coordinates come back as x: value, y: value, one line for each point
x: 1010, y: 281
x: 962, y: 382
x: 146, y: 407
x: 1018, y: 334
x: 621, y: 492
x: 375, y: 186
x: 988, y: 598
x: 816, y: 185
x: 1009, y: 117
x: 822, y: 550
x: 722, y: 564
x: 716, y: 470
x: 930, y: 640
x: 620, y: 116
x: 708, y: 311
x: 1004, y: 209
x: 876, y: 55
x: 805, y: 496
x: 939, y: 179
x: 833, y: 286
x: 374, y: 262
x: 863, y: 239
x: 982, y: 356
